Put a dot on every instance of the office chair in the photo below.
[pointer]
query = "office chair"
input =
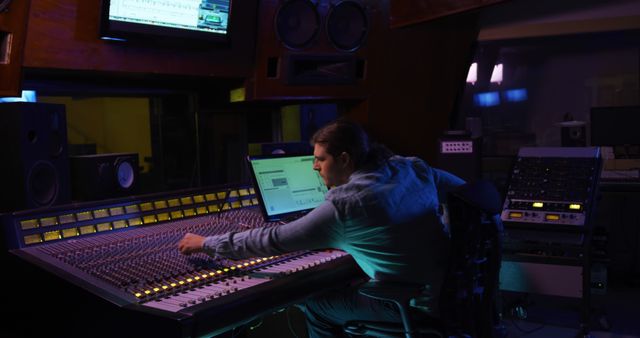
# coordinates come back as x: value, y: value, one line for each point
x: 468, y: 294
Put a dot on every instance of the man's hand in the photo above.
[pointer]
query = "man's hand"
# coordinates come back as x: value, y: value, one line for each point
x: 190, y: 243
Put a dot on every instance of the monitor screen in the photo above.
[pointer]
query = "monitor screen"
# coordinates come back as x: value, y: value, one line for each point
x: 286, y: 185
x: 187, y: 19
x: 615, y: 126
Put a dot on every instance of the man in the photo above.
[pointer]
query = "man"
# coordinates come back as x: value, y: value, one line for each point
x: 381, y: 209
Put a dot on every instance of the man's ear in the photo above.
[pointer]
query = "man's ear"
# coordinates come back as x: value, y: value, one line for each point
x: 345, y: 159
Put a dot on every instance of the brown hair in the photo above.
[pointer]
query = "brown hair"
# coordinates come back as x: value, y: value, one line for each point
x: 344, y: 136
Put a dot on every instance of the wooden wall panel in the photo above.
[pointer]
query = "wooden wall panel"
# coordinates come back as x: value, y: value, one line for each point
x: 13, y: 23
x: 64, y: 34
x: 416, y: 75
x: 408, y: 12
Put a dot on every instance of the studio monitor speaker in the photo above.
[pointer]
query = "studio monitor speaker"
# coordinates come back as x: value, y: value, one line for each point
x: 33, y: 147
x: 104, y: 176
x: 308, y: 47
x: 299, y: 23
x: 573, y: 134
x: 347, y: 25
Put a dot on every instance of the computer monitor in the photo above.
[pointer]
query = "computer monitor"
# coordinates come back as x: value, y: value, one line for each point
x: 617, y: 127
x: 161, y: 20
x: 286, y: 185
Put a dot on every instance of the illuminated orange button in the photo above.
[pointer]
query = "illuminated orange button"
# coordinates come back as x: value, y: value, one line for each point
x: 552, y: 217
x: 515, y: 215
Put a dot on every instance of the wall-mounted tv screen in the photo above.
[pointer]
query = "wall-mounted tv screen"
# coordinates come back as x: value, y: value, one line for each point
x: 180, y: 19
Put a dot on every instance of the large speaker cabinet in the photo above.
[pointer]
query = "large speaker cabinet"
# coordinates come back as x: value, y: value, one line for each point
x: 33, y: 148
x: 312, y: 49
x: 13, y: 27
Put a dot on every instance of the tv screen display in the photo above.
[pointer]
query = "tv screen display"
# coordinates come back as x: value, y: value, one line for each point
x: 181, y: 19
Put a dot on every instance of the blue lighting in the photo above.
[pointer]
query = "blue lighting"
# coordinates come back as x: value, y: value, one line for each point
x: 27, y: 96
x: 516, y: 95
x: 487, y: 99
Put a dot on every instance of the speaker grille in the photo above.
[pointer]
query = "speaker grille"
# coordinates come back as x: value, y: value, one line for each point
x: 297, y: 23
x: 347, y: 25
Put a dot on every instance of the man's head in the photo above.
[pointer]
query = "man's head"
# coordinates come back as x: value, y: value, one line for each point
x: 340, y: 148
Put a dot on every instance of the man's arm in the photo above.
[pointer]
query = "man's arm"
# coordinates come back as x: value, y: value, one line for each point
x: 316, y: 230
x: 445, y: 182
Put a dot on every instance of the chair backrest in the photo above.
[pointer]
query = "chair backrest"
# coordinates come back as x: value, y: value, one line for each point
x: 467, y: 301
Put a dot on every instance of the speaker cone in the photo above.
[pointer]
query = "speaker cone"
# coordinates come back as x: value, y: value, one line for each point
x: 42, y: 183
x: 347, y: 25
x: 297, y: 23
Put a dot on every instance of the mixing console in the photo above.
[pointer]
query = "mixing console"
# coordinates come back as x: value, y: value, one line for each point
x: 140, y: 268
x: 145, y: 262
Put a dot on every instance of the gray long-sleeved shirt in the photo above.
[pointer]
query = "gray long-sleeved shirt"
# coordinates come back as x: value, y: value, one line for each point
x: 386, y: 218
